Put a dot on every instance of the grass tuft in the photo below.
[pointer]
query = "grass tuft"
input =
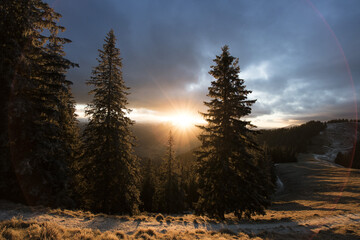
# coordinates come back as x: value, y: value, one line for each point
x: 226, y: 231
x: 159, y: 217
x: 50, y: 231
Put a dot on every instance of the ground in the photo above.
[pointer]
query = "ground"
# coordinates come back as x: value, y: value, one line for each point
x: 319, y: 201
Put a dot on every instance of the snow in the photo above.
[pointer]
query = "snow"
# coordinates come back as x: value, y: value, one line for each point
x: 337, y: 137
x: 130, y: 225
x: 279, y: 185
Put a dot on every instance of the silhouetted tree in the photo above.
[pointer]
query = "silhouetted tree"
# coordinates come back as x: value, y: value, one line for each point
x: 233, y: 174
x: 170, y: 197
x: 14, y: 23
x: 108, y: 169
x: 35, y: 144
x: 350, y: 159
x: 147, y: 192
x: 68, y: 124
x: 188, y: 183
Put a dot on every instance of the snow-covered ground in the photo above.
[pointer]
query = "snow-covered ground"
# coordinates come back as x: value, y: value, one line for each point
x: 337, y: 137
x: 177, y: 224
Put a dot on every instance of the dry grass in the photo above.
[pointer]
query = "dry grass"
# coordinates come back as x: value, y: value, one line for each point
x: 312, y: 191
x: 19, y: 229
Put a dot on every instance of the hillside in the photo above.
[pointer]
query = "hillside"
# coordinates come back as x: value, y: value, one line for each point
x: 319, y: 201
x: 337, y: 137
x: 151, y: 138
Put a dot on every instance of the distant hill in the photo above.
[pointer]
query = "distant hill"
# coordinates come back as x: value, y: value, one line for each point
x: 283, y: 144
x: 336, y: 144
x: 151, y: 138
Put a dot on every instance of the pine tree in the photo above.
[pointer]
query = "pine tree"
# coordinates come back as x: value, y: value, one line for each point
x: 147, y: 186
x: 109, y: 169
x: 170, y: 197
x: 233, y: 174
x: 38, y: 86
x: 68, y: 131
x: 13, y: 24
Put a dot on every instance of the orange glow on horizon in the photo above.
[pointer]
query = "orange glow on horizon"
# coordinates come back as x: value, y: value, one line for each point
x: 183, y: 120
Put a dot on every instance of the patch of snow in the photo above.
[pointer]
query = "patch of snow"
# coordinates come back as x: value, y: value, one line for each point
x: 279, y: 185
x: 339, y: 137
x: 104, y: 223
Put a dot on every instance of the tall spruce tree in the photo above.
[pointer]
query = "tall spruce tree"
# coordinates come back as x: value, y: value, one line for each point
x: 233, y: 174
x: 34, y: 141
x: 13, y: 25
x: 68, y: 130
x: 109, y: 169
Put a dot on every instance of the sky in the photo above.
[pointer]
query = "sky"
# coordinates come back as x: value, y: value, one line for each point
x: 300, y: 58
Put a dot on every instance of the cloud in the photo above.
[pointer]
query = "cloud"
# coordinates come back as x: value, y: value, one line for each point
x: 288, y: 56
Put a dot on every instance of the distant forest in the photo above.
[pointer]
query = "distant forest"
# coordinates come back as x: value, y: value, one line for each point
x: 350, y: 159
x: 283, y: 144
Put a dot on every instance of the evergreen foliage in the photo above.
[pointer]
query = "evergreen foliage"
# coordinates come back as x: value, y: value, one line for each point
x: 39, y: 109
x: 283, y: 144
x: 169, y: 194
x: 343, y: 120
x: 188, y: 183
x: 148, y: 186
x: 108, y: 171
x: 350, y: 159
x: 233, y: 174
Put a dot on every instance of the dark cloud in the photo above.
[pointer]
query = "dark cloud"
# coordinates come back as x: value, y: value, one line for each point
x: 288, y: 55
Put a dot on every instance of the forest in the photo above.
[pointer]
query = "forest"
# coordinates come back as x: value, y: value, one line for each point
x: 283, y: 144
x: 350, y: 159
x: 170, y: 120
x: 46, y: 160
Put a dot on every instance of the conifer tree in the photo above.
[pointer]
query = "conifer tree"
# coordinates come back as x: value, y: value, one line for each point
x: 109, y: 168
x: 36, y: 136
x: 13, y: 25
x: 170, y: 197
x: 68, y: 131
x: 233, y: 174
x: 147, y: 186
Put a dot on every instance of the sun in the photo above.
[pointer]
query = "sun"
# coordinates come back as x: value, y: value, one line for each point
x: 184, y: 120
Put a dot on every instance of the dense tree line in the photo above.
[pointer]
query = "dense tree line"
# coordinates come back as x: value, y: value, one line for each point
x: 38, y: 125
x: 169, y: 184
x: 343, y: 120
x: 44, y: 160
x: 283, y: 144
x: 350, y: 159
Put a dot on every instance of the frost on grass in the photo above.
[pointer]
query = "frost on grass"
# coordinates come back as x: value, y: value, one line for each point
x: 17, y: 229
